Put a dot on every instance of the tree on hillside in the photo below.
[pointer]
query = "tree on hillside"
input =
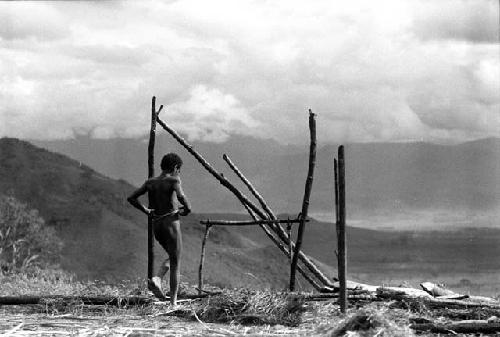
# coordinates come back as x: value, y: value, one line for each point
x: 25, y: 240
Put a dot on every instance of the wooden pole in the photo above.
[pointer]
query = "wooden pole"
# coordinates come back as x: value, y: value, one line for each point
x: 151, y: 173
x: 305, y: 202
x: 202, y: 258
x: 86, y: 300
x: 336, y: 181
x: 336, y: 178
x: 248, y: 223
x: 289, y: 233
x: 245, y: 201
x: 342, y: 265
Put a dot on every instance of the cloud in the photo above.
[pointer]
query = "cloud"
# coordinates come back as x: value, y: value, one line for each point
x: 394, y: 71
x: 462, y: 20
x: 21, y: 22
x: 210, y: 115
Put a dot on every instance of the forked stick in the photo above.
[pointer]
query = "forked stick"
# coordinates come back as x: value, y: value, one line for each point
x: 305, y: 202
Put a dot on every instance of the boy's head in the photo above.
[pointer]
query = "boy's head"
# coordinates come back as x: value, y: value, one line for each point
x: 170, y: 161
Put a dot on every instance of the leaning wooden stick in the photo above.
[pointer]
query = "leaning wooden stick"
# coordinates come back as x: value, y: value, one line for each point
x: 276, y: 227
x: 243, y: 199
x: 252, y: 189
x: 341, y: 232
x: 224, y: 182
x: 151, y: 173
x: 305, y: 202
x: 202, y: 258
x: 247, y: 223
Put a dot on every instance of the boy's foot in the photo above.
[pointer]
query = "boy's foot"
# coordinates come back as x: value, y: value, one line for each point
x: 154, y: 285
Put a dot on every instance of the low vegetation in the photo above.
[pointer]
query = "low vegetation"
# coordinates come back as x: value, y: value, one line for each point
x: 25, y: 241
x: 226, y: 312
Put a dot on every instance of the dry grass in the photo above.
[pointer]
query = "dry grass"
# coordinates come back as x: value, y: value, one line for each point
x: 253, y: 307
x: 233, y: 312
x: 36, y: 281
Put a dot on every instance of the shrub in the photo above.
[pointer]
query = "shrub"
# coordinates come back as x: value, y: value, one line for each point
x: 25, y: 240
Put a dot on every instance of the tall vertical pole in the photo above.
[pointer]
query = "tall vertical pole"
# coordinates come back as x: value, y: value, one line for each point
x: 341, y: 230
x: 151, y: 173
x: 336, y: 181
x: 305, y: 202
x: 336, y: 177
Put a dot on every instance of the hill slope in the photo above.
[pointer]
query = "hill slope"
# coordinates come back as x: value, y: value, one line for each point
x: 106, y: 238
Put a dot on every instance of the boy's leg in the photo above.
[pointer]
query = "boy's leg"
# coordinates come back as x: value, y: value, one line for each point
x: 174, y: 252
x: 164, y: 267
x: 161, y: 231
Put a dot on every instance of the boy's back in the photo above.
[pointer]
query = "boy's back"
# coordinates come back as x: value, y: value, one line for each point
x: 162, y: 190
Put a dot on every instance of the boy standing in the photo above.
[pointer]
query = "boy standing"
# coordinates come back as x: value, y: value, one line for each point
x: 166, y: 221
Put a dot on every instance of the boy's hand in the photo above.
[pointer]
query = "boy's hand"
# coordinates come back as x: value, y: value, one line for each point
x: 149, y: 211
x: 184, y: 211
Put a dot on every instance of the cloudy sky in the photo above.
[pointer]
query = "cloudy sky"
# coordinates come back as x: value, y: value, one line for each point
x: 397, y: 70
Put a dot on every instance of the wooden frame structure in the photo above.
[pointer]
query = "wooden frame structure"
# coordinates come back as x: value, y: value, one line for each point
x: 262, y: 216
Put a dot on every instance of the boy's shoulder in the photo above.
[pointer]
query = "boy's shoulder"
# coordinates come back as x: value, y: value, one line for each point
x: 154, y: 180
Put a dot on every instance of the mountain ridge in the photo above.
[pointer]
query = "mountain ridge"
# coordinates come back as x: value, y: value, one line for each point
x: 380, y: 176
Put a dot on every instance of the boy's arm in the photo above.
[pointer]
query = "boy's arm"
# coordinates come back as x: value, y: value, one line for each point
x: 133, y: 199
x: 182, y: 198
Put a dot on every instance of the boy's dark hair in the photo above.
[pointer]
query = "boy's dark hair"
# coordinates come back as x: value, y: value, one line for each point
x: 170, y: 161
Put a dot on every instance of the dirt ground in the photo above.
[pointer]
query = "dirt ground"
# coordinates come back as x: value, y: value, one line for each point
x: 35, y: 320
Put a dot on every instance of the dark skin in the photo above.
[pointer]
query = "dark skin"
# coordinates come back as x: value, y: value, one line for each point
x: 165, y: 220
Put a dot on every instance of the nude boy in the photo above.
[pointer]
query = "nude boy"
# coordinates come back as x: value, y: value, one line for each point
x: 166, y: 221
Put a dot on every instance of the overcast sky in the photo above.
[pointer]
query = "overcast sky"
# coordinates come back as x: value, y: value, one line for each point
x: 398, y: 70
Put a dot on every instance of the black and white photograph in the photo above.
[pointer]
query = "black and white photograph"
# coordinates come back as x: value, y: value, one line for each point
x: 250, y: 168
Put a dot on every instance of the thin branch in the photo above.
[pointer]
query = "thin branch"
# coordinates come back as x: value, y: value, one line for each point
x: 247, y: 223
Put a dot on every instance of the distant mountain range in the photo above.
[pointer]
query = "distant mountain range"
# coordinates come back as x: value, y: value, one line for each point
x: 380, y: 176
